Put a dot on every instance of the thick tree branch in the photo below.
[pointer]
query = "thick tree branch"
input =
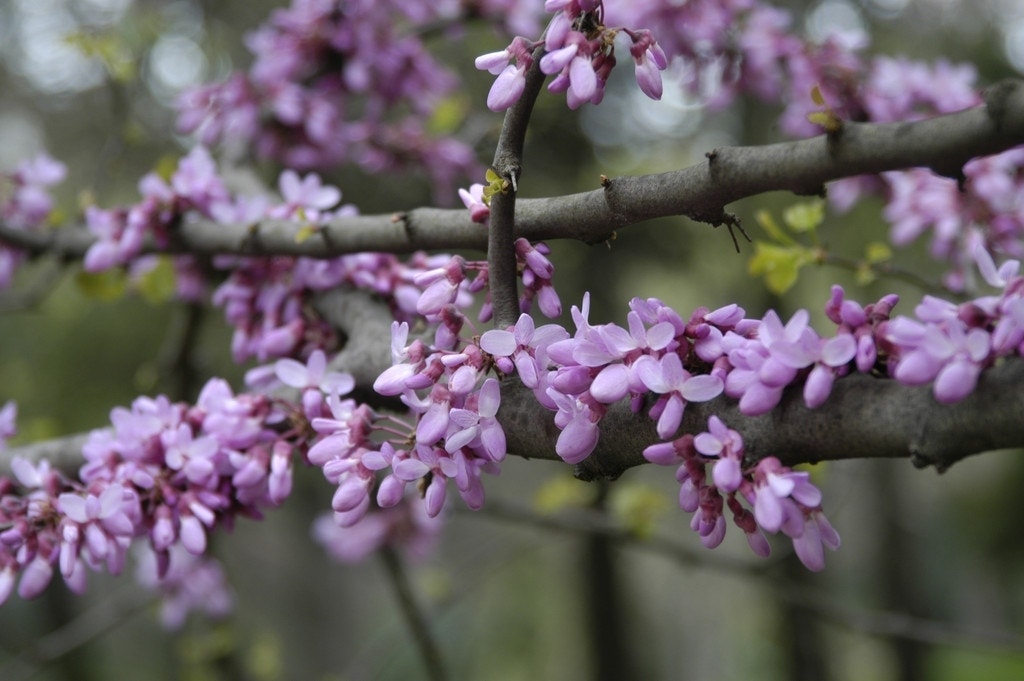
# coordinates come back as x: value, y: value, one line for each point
x: 865, y: 416
x: 702, y: 191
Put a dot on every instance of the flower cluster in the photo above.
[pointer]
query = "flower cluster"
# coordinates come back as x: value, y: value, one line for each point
x: 581, y: 375
x: 190, y: 584
x: 442, y: 379
x: 663, y: 358
x: 121, y: 233
x: 337, y: 82
x: 26, y: 204
x: 721, y: 49
x: 341, y: 82
x: 663, y: 362
x: 580, y: 54
x: 164, y: 473
x: 782, y: 499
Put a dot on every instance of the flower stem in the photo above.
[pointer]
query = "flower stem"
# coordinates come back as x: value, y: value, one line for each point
x: 413, y: 614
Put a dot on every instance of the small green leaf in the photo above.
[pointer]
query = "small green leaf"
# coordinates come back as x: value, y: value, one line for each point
x: 877, y: 252
x: 827, y: 120
x: 562, y: 492
x: 638, y: 508
x: 110, y: 49
x: 106, y: 285
x: 864, y: 275
x: 166, y: 166
x: 495, y: 184
x: 768, y: 224
x: 805, y: 216
x: 158, y: 285
x: 448, y: 115
x: 307, y: 230
x: 816, y: 96
x: 779, y: 265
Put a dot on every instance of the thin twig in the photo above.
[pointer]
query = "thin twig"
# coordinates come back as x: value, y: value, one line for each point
x: 871, y: 622
x: 700, y: 191
x: 29, y: 296
x: 97, y: 621
x: 893, y: 272
x: 177, y: 352
x: 508, y: 163
x: 413, y: 614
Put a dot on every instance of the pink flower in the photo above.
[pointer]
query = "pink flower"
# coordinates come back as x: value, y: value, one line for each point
x: 307, y: 195
x: 507, y: 88
x: 474, y: 201
x: 667, y: 377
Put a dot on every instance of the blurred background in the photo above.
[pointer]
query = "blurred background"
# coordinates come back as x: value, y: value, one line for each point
x: 554, y: 579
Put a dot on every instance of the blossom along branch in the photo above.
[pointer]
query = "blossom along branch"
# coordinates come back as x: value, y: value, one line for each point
x: 715, y: 394
x: 864, y: 417
x: 702, y: 191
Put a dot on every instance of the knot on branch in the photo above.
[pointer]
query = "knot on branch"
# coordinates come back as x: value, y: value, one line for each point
x: 1002, y: 102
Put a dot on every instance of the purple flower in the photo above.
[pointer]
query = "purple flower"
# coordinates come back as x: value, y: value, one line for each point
x: 523, y: 345
x: 406, y: 526
x: 8, y: 422
x: 507, y: 88
x: 578, y: 422
x: 190, y: 583
x: 817, y: 534
x: 307, y: 196
x: 727, y: 445
x: 951, y: 355
x: 478, y: 429
x: 650, y: 62
x: 667, y: 377
x: 776, y: 493
x: 474, y: 201
x: 314, y: 380
x: 101, y: 523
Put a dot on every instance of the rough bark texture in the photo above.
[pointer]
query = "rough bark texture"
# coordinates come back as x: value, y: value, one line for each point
x: 865, y: 416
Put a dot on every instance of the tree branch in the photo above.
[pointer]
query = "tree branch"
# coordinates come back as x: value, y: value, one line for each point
x: 865, y: 416
x: 508, y: 163
x: 888, y: 624
x: 702, y: 191
x: 892, y: 420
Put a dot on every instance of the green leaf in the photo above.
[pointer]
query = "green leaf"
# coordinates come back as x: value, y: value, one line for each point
x: 307, y: 230
x: 864, y: 275
x: 779, y: 265
x: 806, y: 216
x: 638, y: 507
x: 768, y: 224
x: 876, y: 252
x: 106, y: 285
x: 448, y: 115
x: 158, y: 285
x: 562, y: 492
x: 166, y: 166
x: 495, y: 184
x: 828, y: 121
x: 816, y: 96
x: 108, y: 47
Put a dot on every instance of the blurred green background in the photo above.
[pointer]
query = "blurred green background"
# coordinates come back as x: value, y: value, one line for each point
x: 507, y: 597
